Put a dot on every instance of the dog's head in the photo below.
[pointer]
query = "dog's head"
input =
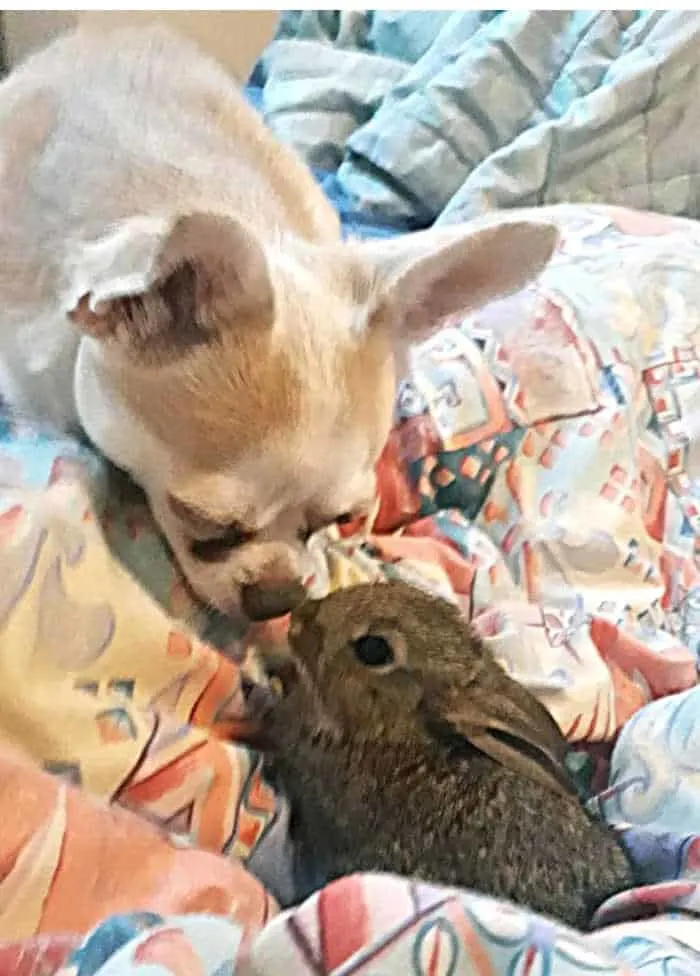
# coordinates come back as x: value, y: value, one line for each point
x: 248, y: 386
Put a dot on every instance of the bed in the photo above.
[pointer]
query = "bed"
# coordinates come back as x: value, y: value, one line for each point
x: 542, y: 473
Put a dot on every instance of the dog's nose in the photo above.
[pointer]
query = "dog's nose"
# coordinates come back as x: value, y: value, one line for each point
x: 265, y: 601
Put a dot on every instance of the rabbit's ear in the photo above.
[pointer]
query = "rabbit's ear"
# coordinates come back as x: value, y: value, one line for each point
x: 502, y: 720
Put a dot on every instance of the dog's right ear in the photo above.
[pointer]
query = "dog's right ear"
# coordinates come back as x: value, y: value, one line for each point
x: 158, y: 287
x: 432, y: 275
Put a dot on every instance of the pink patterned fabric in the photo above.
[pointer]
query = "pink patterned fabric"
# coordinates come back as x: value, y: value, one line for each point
x: 544, y: 473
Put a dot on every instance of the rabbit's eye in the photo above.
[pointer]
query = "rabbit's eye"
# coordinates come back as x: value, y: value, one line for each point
x: 373, y: 651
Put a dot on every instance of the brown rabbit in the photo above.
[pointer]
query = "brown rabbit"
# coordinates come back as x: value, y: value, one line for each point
x: 404, y: 747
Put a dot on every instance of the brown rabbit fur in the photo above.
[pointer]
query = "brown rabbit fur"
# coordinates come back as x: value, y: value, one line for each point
x: 404, y: 747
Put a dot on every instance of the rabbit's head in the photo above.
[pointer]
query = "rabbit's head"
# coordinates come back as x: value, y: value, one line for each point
x: 392, y: 664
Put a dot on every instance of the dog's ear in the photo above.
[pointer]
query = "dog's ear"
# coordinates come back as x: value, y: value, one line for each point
x: 433, y: 275
x: 159, y: 287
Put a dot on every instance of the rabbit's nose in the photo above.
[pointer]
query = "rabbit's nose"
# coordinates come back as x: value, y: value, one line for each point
x: 302, y: 623
x: 265, y: 601
x: 305, y: 613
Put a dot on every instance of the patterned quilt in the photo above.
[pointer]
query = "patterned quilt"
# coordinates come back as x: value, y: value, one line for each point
x: 425, y: 113
x: 543, y: 472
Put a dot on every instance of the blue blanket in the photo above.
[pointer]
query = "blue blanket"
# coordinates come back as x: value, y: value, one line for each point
x: 420, y: 116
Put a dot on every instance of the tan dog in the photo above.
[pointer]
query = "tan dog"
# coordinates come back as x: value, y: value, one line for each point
x: 173, y: 282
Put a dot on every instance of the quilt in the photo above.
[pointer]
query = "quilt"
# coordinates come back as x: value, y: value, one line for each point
x: 437, y: 115
x: 541, y: 473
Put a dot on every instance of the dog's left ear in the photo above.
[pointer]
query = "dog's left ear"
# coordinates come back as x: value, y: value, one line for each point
x: 159, y: 287
x: 432, y: 275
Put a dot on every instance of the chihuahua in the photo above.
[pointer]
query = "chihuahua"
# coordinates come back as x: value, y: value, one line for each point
x: 174, y: 284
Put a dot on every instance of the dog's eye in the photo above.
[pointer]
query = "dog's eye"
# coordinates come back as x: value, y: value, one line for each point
x: 373, y: 651
x: 217, y: 549
x: 345, y: 518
